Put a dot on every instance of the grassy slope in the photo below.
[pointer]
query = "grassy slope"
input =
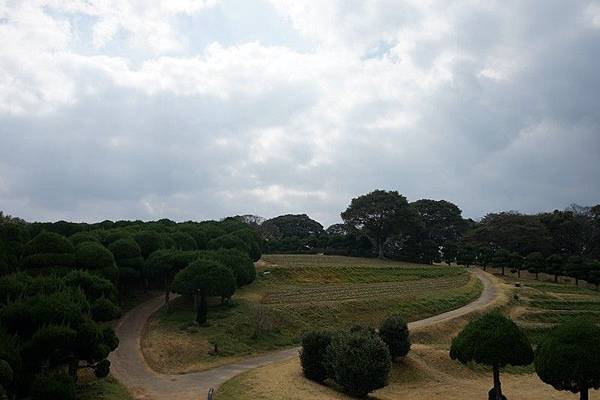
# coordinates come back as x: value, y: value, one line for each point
x: 428, y: 372
x: 297, y: 294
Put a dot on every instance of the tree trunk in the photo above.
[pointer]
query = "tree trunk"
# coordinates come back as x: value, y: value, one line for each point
x: 555, y: 278
x: 576, y: 281
x: 583, y: 394
x: 497, y: 385
x: 202, y: 309
x: 502, y: 271
x: 380, y: 251
x: 73, y: 365
x: 537, y: 276
x: 519, y: 273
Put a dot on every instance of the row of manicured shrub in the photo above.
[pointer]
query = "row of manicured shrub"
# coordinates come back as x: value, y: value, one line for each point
x: 358, y: 359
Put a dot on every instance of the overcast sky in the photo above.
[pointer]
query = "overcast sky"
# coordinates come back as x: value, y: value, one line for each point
x: 198, y: 109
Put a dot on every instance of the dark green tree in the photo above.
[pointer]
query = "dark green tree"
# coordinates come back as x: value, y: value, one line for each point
x: 593, y: 273
x: 313, y: 355
x: 379, y: 215
x: 493, y: 340
x: 501, y: 259
x: 516, y: 262
x: 394, y: 332
x: 576, y: 268
x: 535, y: 263
x: 554, y: 266
x: 569, y: 357
x: 359, y: 361
x: 97, y: 259
x: 149, y: 242
x: 47, y: 251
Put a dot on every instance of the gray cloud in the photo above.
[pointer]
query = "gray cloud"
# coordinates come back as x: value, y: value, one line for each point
x: 492, y: 106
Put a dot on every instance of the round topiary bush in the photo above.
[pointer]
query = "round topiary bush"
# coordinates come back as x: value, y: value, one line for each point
x: 312, y: 355
x: 83, y: 237
x: 104, y: 310
x: 359, y: 361
x: 149, y: 242
x: 59, y: 386
x: 569, y: 357
x: 229, y: 241
x: 394, y: 332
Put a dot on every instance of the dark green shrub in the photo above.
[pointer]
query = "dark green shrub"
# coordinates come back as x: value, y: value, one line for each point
x: 113, y: 236
x: 104, y: 310
x: 93, y: 286
x: 48, y: 243
x: 183, y: 241
x: 360, y: 361
x: 312, y: 355
x: 569, y: 357
x: 95, y: 257
x: 83, y: 237
x: 252, y: 241
x: 229, y: 241
x: 123, y: 249
x: 394, y: 332
x: 58, y: 386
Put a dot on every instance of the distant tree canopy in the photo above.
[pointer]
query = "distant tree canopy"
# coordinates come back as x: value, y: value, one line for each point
x: 379, y: 215
x: 290, y: 225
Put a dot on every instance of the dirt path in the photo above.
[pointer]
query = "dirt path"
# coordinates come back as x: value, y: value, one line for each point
x: 129, y: 367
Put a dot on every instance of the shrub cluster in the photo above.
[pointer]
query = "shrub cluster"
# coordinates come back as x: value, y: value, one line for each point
x: 358, y: 359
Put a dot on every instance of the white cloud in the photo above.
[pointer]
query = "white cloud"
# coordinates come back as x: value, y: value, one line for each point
x: 408, y: 95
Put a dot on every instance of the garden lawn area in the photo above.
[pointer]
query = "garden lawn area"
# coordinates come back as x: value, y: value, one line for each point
x: 102, y: 389
x: 297, y: 293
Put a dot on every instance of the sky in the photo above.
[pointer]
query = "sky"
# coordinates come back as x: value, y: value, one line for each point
x: 202, y: 109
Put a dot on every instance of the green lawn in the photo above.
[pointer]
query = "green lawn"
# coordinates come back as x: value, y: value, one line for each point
x: 297, y: 293
x: 102, y: 389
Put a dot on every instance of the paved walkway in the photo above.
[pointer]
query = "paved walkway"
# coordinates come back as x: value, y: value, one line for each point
x: 129, y: 367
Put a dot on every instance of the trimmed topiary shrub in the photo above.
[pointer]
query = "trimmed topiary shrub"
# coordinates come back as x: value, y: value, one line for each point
x: 313, y: 355
x: 97, y: 258
x: 229, y: 241
x: 394, y: 332
x: 48, y: 250
x: 57, y: 386
x: 183, y: 241
x: 83, y: 237
x: 493, y: 340
x: 569, y: 357
x: 149, y: 242
x: 104, y: 310
x: 359, y: 361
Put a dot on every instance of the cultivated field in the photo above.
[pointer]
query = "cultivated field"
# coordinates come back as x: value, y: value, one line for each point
x: 428, y: 372
x: 297, y: 293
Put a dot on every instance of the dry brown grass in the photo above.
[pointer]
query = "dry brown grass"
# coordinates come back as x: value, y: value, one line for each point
x: 426, y: 374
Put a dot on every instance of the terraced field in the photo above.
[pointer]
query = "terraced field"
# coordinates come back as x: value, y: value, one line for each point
x: 539, y: 306
x: 296, y: 293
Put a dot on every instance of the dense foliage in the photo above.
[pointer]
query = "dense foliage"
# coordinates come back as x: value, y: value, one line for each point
x: 493, y: 340
x: 569, y: 357
x: 313, y: 355
x: 394, y: 332
x: 61, y: 282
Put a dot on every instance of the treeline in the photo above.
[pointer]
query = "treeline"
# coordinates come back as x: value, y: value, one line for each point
x: 380, y: 223
x: 61, y: 283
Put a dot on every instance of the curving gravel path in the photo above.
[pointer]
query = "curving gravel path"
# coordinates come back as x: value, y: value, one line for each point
x: 129, y: 367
